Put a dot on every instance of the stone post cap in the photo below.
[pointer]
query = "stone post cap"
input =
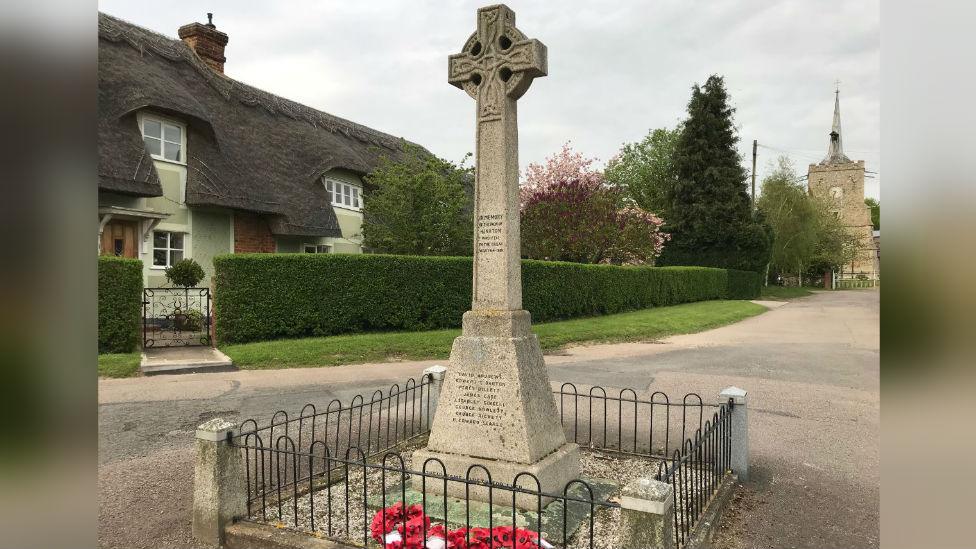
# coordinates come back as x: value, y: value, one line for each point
x: 647, y: 495
x: 216, y: 430
x: 737, y: 395
x: 436, y: 372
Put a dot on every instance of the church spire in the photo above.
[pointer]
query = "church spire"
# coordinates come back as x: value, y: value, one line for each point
x: 835, y: 149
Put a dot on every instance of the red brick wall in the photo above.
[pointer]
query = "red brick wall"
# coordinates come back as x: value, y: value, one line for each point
x: 251, y: 234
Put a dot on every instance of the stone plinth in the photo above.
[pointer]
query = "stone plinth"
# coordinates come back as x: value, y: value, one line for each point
x: 496, y: 401
x: 497, y: 410
x: 553, y: 471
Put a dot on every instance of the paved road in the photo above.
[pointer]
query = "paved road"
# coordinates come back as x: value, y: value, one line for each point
x: 811, y: 367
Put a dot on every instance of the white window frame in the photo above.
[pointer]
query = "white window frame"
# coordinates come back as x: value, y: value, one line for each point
x: 168, y: 248
x: 163, y: 121
x: 344, y: 190
x: 317, y: 248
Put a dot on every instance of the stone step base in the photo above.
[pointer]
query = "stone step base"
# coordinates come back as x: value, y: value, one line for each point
x: 184, y: 360
x: 553, y: 471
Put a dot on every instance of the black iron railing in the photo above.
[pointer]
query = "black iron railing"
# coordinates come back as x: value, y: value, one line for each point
x: 320, y: 467
x: 359, y: 488
x: 625, y: 423
x: 697, y: 469
x: 372, y: 427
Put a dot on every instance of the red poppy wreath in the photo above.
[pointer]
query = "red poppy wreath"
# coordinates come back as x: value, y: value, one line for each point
x: 399, y: 527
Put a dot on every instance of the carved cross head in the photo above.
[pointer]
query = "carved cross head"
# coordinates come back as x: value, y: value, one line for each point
x: 496, y: 61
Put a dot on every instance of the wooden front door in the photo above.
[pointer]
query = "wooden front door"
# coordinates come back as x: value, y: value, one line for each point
x: 119, y: 238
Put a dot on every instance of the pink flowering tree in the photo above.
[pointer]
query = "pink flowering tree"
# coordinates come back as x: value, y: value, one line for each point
x: 571, y: 213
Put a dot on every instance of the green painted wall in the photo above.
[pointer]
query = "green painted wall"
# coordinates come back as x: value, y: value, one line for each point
x: 290, y: 244
x: 172, y: 177
x: 211, y: 236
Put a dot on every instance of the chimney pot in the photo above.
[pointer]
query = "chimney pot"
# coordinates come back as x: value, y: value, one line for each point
x: 206, y: 41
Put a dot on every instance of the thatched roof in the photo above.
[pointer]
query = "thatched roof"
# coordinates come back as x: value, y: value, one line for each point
x: 246, y: 148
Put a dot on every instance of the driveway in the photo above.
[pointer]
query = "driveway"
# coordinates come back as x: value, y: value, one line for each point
x: 811, y: 368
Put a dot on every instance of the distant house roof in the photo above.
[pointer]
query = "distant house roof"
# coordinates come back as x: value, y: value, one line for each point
x: 246, y: 148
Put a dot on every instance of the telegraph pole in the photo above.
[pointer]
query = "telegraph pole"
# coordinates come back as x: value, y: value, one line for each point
x: 755, y: 144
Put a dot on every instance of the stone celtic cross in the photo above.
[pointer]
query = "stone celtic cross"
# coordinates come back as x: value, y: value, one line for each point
x: 496, y: 66
x: 496, y: 408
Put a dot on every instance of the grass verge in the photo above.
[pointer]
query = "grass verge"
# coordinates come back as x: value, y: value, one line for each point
x: 118, y: 365
x: 647, y: 324
x: 781, y: 293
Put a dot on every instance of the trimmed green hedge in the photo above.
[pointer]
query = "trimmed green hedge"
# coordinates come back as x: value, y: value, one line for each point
x: 744, y: 284
x: 269, y: 296
x: 119, y: 304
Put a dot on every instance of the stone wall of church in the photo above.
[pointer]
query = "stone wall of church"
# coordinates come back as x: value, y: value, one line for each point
x: 842, y: 186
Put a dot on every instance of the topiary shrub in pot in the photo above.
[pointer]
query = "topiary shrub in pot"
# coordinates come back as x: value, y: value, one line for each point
x: 185, y: 273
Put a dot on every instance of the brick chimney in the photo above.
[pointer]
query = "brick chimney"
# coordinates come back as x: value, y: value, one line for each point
x: 206, y: 41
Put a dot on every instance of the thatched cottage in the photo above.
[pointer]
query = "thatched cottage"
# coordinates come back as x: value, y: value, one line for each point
x: 193, y: 163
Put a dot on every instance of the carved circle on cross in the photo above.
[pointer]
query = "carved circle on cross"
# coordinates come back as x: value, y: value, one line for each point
x: 496, y: 60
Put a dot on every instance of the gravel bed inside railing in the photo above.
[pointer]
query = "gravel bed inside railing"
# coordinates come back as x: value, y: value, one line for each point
x: 338, y: 511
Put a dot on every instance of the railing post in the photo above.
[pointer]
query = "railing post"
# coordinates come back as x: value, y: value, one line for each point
x: 647, y: 515
x: 437, y: 373
x: 219, y: 493
x: 739, y: 457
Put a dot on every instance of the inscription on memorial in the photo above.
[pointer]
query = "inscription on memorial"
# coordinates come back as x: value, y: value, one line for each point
x: 478, y: 400
x: 490, y: 233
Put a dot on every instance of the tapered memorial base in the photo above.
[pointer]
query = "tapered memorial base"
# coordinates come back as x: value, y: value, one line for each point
x: 497, y: 410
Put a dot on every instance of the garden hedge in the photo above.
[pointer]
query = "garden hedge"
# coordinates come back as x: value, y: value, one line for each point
x: 119, y: 304
x: 269, y: 296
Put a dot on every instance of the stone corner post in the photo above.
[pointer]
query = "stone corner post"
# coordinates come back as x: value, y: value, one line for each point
x: 219, y: 493
x: 740, y: 430
x: 647, y: 515
x: 437, y: 373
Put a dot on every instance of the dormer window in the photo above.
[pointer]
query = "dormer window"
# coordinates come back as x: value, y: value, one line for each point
x: 344, y: 195
x: 164, y: 139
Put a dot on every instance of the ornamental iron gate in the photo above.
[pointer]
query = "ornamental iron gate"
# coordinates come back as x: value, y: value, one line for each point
x: 175, y: 317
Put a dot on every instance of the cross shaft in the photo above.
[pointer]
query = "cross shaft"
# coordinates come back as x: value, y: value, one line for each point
x: 496, y: 66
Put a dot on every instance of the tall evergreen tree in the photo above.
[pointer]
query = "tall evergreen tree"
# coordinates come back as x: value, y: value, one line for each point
x: 712, y: 223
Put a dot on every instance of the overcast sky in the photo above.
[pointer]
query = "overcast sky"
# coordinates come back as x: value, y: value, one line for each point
x: 616, y: 69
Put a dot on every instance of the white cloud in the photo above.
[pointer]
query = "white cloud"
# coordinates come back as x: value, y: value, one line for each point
x: 616, y: 69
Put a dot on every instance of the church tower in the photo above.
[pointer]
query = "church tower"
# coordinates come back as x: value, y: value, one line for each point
x: 839, y: 181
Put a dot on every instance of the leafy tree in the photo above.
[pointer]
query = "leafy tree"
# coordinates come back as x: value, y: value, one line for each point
x: 794, y: 218
x: 711, y: 222
x: 875, y: 212
x: 646, y: 171
x: 836, y: 246
x: 570, y: 213
x: 418, y: 206
x: 807, y: 237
